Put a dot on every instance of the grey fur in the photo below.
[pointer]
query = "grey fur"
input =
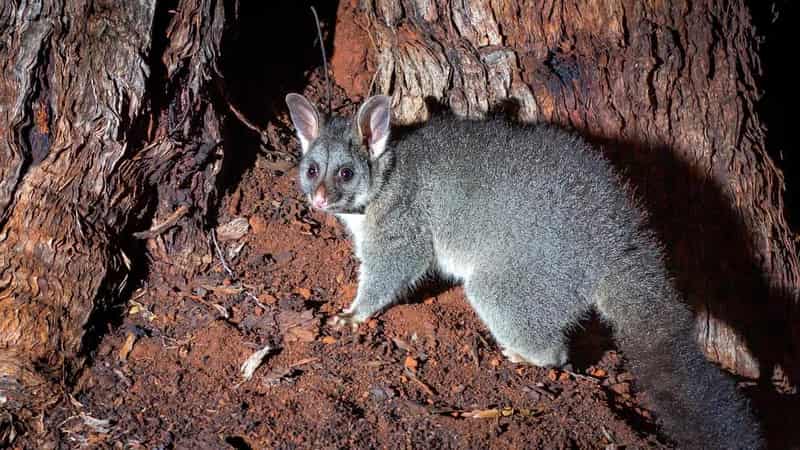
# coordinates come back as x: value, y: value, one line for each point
x: 540, y: 230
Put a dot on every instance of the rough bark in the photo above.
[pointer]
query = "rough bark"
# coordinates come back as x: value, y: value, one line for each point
x: 105, y: 124
x: 669, y: 90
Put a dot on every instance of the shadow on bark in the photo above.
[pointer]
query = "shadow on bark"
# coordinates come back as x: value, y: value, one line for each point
x: 710, y: 255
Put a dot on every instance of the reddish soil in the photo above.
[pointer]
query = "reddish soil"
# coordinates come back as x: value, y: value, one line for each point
x: 424, y: 374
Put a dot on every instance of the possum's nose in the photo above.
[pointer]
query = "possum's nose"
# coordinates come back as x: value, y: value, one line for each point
x: 320, y: 198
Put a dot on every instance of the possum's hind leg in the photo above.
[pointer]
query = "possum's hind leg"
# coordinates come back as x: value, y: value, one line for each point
x: 526, y: 318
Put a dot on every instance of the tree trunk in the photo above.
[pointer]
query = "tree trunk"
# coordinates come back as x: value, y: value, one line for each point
x: 668, y: 89
x: 106, y: 123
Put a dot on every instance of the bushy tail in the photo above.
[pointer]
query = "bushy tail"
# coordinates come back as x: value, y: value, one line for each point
x: 697, y: 405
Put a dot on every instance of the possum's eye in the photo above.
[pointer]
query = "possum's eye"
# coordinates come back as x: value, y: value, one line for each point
x: 345, y: 173
x: 312, y: 171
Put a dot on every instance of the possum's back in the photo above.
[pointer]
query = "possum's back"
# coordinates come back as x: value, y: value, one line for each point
x: 492, y: 189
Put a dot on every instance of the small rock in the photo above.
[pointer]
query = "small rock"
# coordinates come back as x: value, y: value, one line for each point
x: 268, y: 299
x: 625, y: 376
x: 599, y: 373
x: 621, y: 388
x: 348, y: 292
x: 200, y: 291
x: 283, y: 257
x: 233, y: 204
x: 381, y: 393
x: 329, y: 340
x: 410, y: 363
x: 303, y: 292
x: 258, y: 224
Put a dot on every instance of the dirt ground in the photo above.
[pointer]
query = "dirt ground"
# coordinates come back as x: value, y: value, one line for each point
x: 424, y: 374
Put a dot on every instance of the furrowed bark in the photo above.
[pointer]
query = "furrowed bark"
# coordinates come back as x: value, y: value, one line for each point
x: 105, y: 124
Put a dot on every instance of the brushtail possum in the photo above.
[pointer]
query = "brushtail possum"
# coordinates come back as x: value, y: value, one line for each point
x: 538, y: 228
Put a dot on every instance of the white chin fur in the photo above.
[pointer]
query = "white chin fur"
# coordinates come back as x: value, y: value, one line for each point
x: 355, y: 224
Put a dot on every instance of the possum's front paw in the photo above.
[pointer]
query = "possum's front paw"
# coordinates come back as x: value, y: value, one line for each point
x: 345, y: 318
x: 555, y: 356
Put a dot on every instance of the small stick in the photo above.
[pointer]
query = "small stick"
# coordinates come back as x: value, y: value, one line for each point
x: 324, y: 58
x: 578, y: 376
x: 221, y: 257
x: 240, y: 115
x: 419, y: 382
x: 256, y: 300
x: 170, y: 221
x: 542, y: 391
x: 302, y: 362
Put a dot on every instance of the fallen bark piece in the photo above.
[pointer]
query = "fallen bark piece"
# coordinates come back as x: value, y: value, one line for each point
x: 97, y: 425
x: 127, y: 347
x: 254, y: 361
x: 235, y: 229
x: 499, y: 412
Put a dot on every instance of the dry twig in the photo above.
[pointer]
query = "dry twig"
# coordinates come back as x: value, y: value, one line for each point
x: 168, y: 223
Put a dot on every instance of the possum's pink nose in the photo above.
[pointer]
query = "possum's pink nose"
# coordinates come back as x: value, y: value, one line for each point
x: 320, y: 200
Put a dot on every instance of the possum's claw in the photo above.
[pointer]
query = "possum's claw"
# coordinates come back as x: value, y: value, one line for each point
x: 345, y: 318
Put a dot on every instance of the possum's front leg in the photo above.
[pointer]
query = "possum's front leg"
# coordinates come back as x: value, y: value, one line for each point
x: 389, y: 266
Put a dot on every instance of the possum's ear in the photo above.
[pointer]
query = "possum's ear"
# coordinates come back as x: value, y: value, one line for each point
x: 373, y: 121
x: 305, y: 119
